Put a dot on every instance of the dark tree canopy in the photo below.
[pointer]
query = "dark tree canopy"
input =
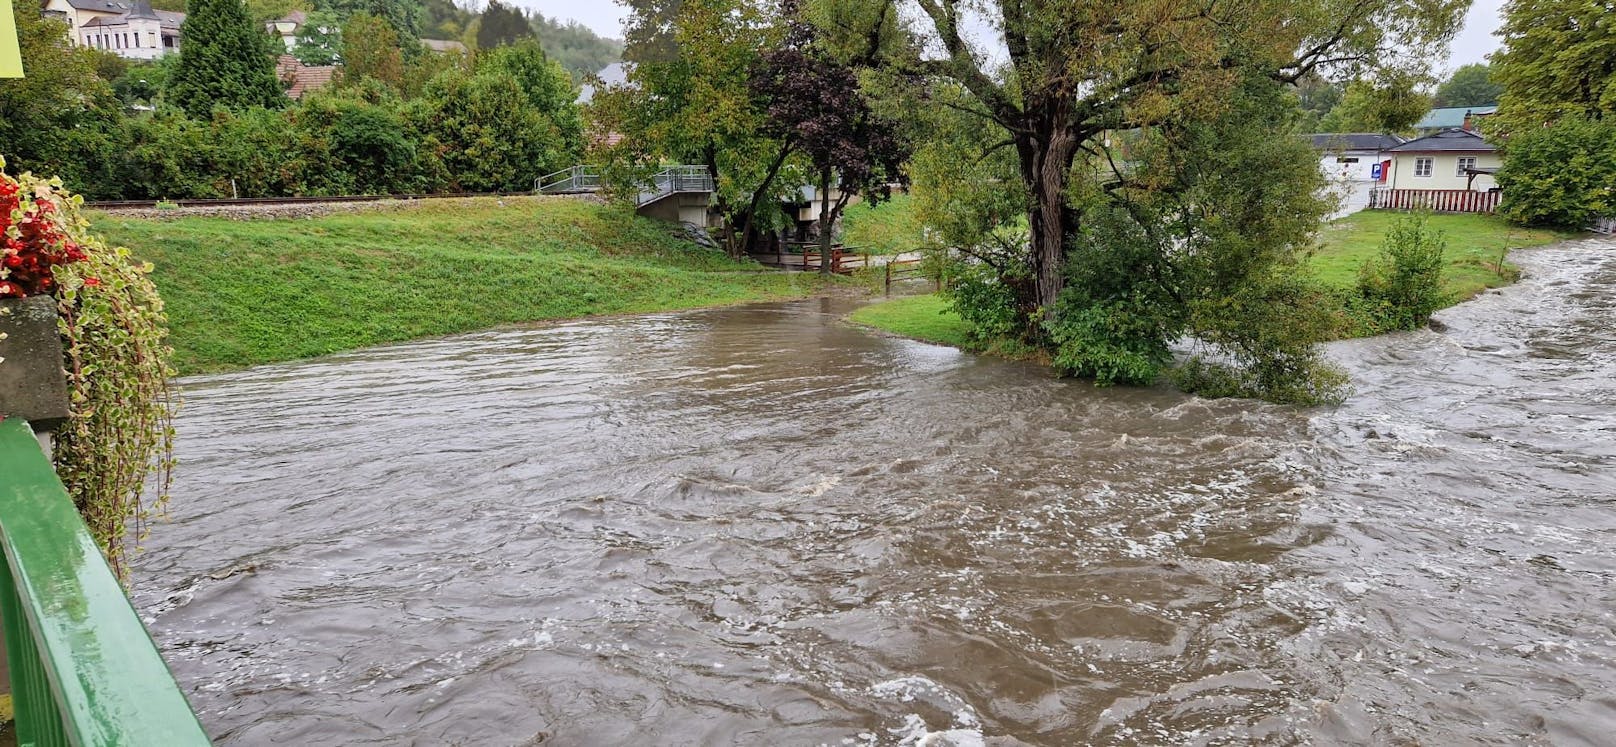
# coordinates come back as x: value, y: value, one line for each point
x: 227, y: 61
x: 815, y: 103
x: 502, y: 24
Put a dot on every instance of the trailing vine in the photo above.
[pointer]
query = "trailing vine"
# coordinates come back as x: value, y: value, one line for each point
x: 115, y: 452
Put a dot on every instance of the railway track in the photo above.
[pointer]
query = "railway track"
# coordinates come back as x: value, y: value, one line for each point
x: 270, y: 201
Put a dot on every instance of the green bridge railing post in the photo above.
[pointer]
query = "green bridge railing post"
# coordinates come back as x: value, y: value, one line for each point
x: 84, y: 671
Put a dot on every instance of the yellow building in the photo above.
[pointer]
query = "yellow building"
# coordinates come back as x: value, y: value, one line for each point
x: 1453, y: 159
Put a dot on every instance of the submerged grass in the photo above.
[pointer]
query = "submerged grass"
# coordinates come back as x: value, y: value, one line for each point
x: 242, y: 292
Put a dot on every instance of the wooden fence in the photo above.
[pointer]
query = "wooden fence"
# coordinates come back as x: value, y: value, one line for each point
x: 1437, y: 200
x: 899, y: 270
x: 1605, y: 226
x: 843, y: 260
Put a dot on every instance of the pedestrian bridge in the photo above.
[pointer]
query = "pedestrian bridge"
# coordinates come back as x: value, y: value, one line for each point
x: 676, y: 193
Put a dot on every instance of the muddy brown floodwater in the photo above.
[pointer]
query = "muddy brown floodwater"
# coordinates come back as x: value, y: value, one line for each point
x: 760, y: 526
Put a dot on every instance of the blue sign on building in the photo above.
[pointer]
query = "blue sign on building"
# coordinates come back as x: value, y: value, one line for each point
x: 1374, y: 172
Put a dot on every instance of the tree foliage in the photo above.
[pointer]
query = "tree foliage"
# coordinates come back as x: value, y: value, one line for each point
x: 403, y: 15
x: 814, y: 103
x: 370, y: 50
x: 485, y: 132
x: 1558, y: 60
x: 1393, y: 105
x: 502, y: 24
x: 227, y: 60
x: 1557, y: 116
x: 319, y: 39
x: 57, y: 115
x: 1470, y: 85
x: 1078, y: 71
x: 1561, y: 175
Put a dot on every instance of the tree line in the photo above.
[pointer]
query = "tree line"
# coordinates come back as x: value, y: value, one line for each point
x: 214, y: 121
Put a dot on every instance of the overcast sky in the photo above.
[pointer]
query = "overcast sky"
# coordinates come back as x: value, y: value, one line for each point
x: 606, y: 18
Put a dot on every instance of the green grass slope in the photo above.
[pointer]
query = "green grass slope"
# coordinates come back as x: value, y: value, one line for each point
x: 242, y: 292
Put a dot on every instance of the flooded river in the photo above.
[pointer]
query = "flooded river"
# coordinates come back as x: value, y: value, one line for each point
x: 759, y: 526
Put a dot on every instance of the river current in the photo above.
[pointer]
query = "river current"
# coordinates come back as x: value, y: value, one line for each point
x: 761, y: 526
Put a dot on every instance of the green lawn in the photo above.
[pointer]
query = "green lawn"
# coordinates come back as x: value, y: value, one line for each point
x: 888, y: 228
x: 245, y: 292
x: 1476, y: 244
x: 924, y: 318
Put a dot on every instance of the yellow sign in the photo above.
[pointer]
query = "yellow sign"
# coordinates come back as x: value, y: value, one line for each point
x: 10, y: 56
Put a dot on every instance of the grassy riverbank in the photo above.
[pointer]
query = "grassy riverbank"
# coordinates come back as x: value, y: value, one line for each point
x: 1476, y: 244
x: 242, y: 292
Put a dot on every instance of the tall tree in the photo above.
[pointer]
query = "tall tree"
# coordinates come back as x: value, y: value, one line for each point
x: 815, y: 102
x: 502, y: 24
x: 688, y: 99
x: 1078, y: 71
x: 1470, y: 85
x: 1559, y: 59
x: 370, y: 50
x: 228, y: 60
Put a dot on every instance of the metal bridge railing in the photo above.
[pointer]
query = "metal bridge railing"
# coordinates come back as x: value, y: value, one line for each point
x: 84, y: 670
x: 671, y: 180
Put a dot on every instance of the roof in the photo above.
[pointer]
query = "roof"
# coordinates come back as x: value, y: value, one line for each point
x: 302, y: 78
x: 296, y: 18
x: 1373, y: 141
x: 165, y: 19
x: 103, y: 6
x: 1452, y: 116
x: 144, y: 10
x: 1451, y: 139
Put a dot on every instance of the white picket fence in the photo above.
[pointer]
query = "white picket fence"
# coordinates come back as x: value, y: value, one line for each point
x: 1604, y: 225
x: 1436, y: 200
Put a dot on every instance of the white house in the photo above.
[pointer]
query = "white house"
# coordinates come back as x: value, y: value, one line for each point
x: 1453, y: 159
x: 128, y: 29
x: 1354, y: 156
x: 286, y: 28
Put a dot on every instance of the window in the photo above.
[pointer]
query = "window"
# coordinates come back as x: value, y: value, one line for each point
x: 1465, y: 162
x: 1346, y: 160
x: 1422, y: 166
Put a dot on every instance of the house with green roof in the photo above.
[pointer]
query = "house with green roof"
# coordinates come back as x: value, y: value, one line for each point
x: 1450, y: 117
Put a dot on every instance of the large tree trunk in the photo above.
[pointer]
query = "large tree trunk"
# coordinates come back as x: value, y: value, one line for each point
x: 824, y: 223
x: 1046, y: 163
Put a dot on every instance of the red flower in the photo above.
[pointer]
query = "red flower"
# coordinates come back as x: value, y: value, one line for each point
x: 92, y: 282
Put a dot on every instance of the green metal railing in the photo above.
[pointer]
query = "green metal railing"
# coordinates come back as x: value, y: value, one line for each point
x: 84, y: 670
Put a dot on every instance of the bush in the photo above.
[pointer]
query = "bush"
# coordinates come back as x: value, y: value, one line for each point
x: 1562, y: 175
x: 1112, y: 342
x: 1402, y: 287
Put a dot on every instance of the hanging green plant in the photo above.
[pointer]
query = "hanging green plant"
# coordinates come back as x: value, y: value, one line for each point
x: 115, y: 452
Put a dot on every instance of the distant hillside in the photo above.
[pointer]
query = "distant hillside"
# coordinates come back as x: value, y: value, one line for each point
x: 574, y: 46
x: 578, y: 49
